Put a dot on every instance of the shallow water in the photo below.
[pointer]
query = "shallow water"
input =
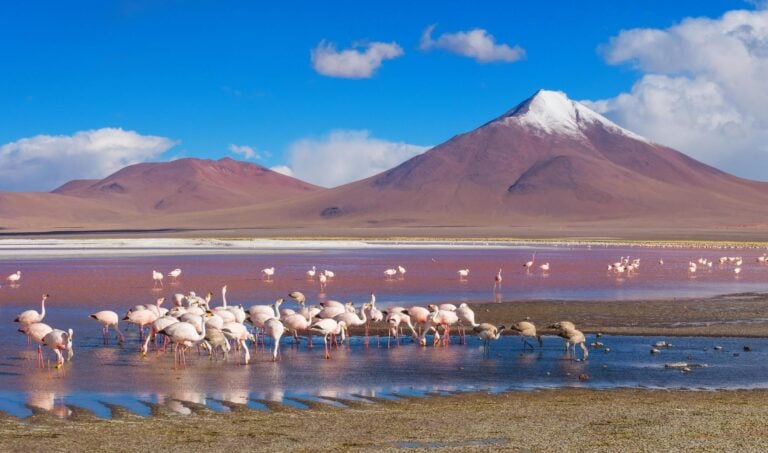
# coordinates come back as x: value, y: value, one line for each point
x: 108, y: 374
x: 119, y: 376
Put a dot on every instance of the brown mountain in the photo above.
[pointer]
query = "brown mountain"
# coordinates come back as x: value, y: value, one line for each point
x: 548, y: 160
x: 186, y: 185
x: 548, y: 167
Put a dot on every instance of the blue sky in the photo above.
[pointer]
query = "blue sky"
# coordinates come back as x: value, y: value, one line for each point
x: 211, y: 74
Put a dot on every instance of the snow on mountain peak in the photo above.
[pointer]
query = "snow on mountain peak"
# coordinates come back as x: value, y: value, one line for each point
x: 552, y: 112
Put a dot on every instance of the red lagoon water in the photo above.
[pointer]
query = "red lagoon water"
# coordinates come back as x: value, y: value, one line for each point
x: 576, y: 273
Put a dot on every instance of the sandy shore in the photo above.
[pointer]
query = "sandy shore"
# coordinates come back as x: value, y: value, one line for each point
x: 553, y: 420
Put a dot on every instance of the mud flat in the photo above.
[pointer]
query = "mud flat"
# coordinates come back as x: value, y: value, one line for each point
x: 551, y: 420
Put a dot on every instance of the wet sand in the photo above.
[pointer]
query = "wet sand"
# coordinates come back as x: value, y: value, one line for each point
x: 552, y: 420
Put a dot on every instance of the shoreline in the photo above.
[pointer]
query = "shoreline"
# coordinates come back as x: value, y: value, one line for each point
x: 545, y: 420
x: 58, y: 247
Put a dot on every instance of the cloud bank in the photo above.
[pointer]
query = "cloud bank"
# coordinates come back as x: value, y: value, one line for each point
x: 354, y: 63
x: 44, y: 162
x: 702, y: 88
x: 344, y: 156
x: 476, y: 43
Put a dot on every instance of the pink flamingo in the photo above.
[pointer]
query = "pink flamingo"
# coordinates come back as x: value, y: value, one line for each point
x: 108, y: 318
x: 327, y: 327
x: 438, y: 318
x: 497, y: 281
x: 37, y: 331
x: 59, y: 340
x: 141, y: 318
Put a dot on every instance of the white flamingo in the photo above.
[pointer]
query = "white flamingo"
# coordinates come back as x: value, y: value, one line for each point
x: 157, y: 277
x: 31, y: 316
x: 268, y: 272
x: 14, y: 278
x: 463, y: 273
x: 326, y: 327
x: 529, y: 264
x: 174, y: 274
x: 390, y: 273
x: 311, y: 273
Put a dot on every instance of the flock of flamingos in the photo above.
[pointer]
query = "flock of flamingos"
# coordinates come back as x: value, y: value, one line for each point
x: 193, y: 322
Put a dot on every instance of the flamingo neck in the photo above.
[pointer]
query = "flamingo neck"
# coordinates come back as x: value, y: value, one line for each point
x: 42, y: 309
x: 224, y: 297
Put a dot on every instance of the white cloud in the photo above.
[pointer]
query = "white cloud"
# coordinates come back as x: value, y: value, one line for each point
x: 282, y: 169
x: 246, y: 151
x: 476, y: 43
x: 352, y: 63
x: 346, y: 155
x: 44, y: 162
x: 702, y: 90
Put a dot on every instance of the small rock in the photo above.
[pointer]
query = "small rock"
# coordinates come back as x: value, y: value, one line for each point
x: 748, y: 347
x: 718, y: 348
x: 583, y: 377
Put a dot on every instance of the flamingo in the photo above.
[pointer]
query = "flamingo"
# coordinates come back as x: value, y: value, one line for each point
x: 183, y: 335
x: 373, y: 314
x: 268, y: 272
x: 329, y: 274
x: 297, y: 322
x: 466, y: 316
x: 323, y: 279
x: 59, y: 340
x: 326, y: 327
x: 401, y: 270
x: 36, y: 332
x: 544, y: 267
x: 14, y: 278
x: 351, y: 319
x: 390, y: 273
x: 526, y: 329
x: 561, y: 325
x: 442, y: 318
x: 529, y: 264
x: 487, y: 332
x: 31, y: 316
x: 239, y: 333
x: 419, y: 316
x: 737, y: 270
x: 141, y: 318
x: 275, y: 329
x: 174, y: 274
x: 215, y: 338
x: 497, y: 280
x: 463, y: 274
x: 311, y: 273
x: 575, y: 337
x: 157, y: 277
x: 108, y: 318
x: 157, y: 326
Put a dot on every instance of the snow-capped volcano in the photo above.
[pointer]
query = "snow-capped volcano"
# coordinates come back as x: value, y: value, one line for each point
x: 552, y: 112
x: 548, y: 158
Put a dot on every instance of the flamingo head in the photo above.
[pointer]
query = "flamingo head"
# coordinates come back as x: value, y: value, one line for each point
x: 433, y: 307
